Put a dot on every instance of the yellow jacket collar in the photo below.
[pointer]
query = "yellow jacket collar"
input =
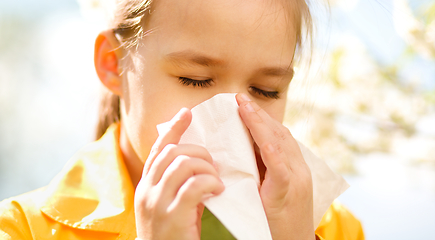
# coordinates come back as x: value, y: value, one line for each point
x: 94, y: 190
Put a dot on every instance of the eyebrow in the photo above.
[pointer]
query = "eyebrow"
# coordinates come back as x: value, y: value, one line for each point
x: 277, y: 71
x: 193, y: 58
x: 189, y: 57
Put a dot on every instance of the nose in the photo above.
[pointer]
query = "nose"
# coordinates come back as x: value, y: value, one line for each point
x: 233, y: 86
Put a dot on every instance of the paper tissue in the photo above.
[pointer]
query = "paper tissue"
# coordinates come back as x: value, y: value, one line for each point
x: 217, y: 126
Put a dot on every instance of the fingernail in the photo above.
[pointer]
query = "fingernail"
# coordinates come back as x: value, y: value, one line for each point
x: 180, y: 115
x: 245, y: 97
x: 249, y: 107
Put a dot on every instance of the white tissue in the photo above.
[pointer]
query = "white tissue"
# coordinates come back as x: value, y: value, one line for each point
x: 217, y: 126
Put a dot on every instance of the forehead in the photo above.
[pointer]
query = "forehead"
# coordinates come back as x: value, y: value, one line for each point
x: 226, y: 28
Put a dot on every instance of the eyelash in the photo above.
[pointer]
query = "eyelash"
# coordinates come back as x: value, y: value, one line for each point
x: 267, y: 94
x: 207, y: 83
x: 195, y: 83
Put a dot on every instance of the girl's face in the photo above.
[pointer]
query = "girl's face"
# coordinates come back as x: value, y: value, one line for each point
x: 199, y: 48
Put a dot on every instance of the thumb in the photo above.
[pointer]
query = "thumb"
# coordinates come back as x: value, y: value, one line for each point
x: 172, y: 135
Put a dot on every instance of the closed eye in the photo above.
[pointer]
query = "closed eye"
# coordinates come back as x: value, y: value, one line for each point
x: 267, y: 94
x: 195, y: 83
x: 208, y: 82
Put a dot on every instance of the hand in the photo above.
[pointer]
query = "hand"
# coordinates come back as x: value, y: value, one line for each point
x: 175, y: 179
x: 287, y: 189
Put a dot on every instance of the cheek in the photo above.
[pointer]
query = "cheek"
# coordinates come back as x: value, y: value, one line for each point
x: 276, y: 110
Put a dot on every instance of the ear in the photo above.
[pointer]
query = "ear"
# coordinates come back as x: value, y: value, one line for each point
x: 106, y: 58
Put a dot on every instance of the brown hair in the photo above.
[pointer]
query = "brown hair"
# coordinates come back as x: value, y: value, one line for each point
x: 129, y: 26
x: 108, y: 112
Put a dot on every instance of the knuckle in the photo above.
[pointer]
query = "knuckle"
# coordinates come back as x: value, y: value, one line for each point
x: 284, y: 178
x: 139, y: 200
x: 278, y: 133
x: 195, y: 186
x: 193, y: 183
x: 201, y: 148
x: 190, y: 191
x: 142, y: 186
x: 276, y: 145
x: 159, y: 211
x: 143, y: 202
x: 153, y: 204
x: 279, y: 148
x: 282, y: 133
x: 204, y: 152
x: 169, y: 149
x: 181, y: 161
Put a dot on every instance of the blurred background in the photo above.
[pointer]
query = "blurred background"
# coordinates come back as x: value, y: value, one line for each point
x: 366, y: 105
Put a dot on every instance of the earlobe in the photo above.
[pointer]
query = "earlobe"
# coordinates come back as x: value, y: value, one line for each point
x: 106, y: 58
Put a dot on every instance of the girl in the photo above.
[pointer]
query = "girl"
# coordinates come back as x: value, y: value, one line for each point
x: 162, y: 56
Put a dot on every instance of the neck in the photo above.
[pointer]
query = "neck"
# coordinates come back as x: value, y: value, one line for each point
x: 131, y: 159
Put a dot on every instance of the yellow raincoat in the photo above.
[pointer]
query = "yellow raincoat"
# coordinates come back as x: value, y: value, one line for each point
x: 92, y: 198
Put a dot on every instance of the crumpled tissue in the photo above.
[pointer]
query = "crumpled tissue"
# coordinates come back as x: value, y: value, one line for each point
x: 216, y: 125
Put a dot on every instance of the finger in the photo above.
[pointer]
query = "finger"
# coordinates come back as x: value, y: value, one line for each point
x: 170, y: 152
x: 278, y: 171
x: 180, y: 170
x: 194, y: 190
x: 265, y: 130
x: 177, y: 126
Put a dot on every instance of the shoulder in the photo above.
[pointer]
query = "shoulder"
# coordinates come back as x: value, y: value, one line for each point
x: 16, y: 214
x: 339, y: 223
